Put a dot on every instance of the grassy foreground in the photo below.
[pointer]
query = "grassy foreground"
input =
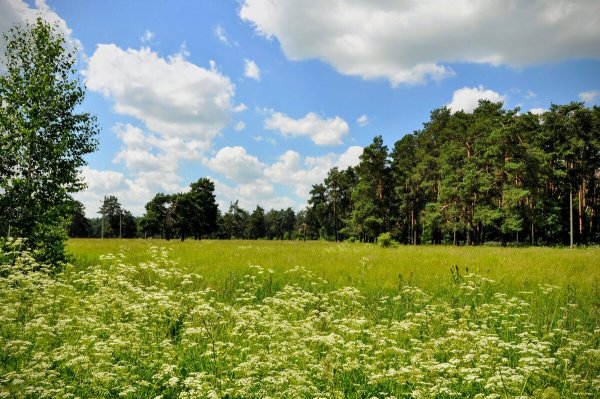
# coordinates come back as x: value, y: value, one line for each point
x: 211, y: 319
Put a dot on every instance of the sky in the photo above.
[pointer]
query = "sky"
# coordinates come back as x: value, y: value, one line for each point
x: 264, y: 97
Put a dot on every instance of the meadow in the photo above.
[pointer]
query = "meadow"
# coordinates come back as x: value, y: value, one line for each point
x: 263, y: 319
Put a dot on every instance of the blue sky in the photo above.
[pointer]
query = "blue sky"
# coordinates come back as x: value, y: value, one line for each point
x: 264, y: 97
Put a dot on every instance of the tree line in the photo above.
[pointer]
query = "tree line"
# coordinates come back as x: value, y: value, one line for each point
x: 493, y: 175
x: 193, y: 214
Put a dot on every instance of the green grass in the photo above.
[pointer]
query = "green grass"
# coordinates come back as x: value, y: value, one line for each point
x: 364, y: 266
x: 258, y: 319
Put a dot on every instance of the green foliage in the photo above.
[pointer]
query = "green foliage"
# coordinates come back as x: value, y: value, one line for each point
x: 193, y: 213
x: 43, y: 140
x: 256, y: 224
x: 79, y: 225
x: 385, y: 240
x: 493, y: 174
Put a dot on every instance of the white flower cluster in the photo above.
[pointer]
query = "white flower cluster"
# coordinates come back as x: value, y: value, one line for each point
x: 153, y: 331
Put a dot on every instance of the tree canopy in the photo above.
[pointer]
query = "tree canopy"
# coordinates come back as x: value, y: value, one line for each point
x: 491, y: 175
x: 43, y: 137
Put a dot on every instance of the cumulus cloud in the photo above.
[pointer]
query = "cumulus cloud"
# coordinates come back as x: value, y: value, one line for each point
x: 362, y: 120
x: 105, y: 181
x: 350, y: 157
x: 172, y: 96
x: 467, y: 98
x: 589, y: 96
x: 321, y: 131
x: 151, y: 163
x: 240, y: 108
x: 414, y: 41
x: 133, y: 193
x: 236, y: 164
x: 302, y: 173
x: 249, y: 195
x: 258, y: 182
x: 251, y: 70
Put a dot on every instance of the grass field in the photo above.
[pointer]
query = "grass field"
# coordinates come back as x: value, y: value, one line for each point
x: 367, y: 267
x: 258, y: 319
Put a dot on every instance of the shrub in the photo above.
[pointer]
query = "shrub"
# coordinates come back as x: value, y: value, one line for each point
x: 385, y: 240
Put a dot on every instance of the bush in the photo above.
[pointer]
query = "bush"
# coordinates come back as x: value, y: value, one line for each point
x: 385, y: 240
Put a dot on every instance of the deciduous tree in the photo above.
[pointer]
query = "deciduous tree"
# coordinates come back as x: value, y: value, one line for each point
x: 43, y: 136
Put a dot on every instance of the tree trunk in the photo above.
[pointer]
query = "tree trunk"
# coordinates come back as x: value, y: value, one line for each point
x: 532, y: 205
x: 571, y: 218
x: 412, y: 227
x: 335, y: 224
x: 580, y: 210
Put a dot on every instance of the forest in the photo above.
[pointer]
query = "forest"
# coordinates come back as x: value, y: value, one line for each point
x: 491, y: 176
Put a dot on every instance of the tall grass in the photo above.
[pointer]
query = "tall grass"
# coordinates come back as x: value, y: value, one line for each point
x: 367, y: 267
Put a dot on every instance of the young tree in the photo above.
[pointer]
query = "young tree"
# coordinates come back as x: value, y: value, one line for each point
x: 234, y: 221
x: 158, y: 220
x: 111, y: 217
x: 205, y: 209
x: 79, y: 225
x: 371, y: 195
x: 256, y: 224
x: 43, y: 138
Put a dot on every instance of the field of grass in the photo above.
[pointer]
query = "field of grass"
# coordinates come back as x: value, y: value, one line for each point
x: 258, y: 319
x: 367, y: 267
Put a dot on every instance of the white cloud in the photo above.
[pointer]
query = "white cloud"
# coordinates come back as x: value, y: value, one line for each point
x: 589, y: 96
x: 106, y: 181
x: 251, y: 70
x: 221, y: 34
x: 249, y: 195
x: 240, y: 108
x: 362, y: 120
x: 18, y: 12
x: 301, y: 174
x: 538, y: 111
x: 239, y: 126
x: 137, y: 143
x: 152, y: 166
x: 467, y: 98
x: 321, y: 131
x: 236, y: 164
x: 151, y: 163
x: 172, y: 97
x: 414, y: 41
x: 269, y: 140
x: 259, y: 183
x: 133, y: 194
x: 147, y: 37
x: 350, y: 157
